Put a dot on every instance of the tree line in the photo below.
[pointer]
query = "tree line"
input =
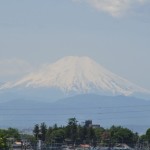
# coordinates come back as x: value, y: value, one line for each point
x: 75, y: 133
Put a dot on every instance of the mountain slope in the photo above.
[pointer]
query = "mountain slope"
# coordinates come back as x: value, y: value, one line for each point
x: 79, y: 75
x: 103, y: 110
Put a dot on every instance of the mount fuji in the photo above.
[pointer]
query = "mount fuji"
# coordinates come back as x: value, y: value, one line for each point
x: 73, y: 87
x: 69, y: 76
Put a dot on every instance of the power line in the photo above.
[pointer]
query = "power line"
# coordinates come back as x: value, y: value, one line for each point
x: 68, y: 107
x: 98, y: 113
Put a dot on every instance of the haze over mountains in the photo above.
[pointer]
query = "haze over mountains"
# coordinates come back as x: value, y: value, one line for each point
x: 61, y: 88
x: 75, y: 75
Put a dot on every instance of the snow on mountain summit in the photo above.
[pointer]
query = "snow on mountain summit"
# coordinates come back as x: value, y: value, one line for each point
x: 76, y: 74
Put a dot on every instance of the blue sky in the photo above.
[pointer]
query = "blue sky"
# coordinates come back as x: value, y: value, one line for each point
x: 115, y: 33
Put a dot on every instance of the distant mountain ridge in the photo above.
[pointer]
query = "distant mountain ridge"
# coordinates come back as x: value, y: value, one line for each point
x: 76, y: 75
x: 103, y: 110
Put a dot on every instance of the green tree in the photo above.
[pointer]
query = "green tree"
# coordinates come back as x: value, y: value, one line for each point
x: 91, y: 137
x: 122, y: 135
x: 106, y: 137
x: 57, y: 136
x: 55, y: 127
x: 71, y: 129
x: 12, y: 132
x: 6, y: 134
x: 36, y: 131
x: 2, y: 143
x: 82, y: 133
x: 48, y: 134
x: 98, y: 133
x: 43, y: 129
x: 148, y: 135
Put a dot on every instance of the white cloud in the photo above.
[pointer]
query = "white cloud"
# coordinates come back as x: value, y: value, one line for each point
x: 12, y: 68
x: 115, y: 7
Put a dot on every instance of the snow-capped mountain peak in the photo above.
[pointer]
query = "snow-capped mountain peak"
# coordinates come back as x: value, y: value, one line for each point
x: 77, y: 74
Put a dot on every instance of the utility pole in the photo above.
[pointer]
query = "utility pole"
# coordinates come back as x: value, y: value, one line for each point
x: 39, y: 145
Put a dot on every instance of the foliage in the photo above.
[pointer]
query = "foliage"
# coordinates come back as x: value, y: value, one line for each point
x: 5, y: 135
x: 122, y: 135
x: 71, y: 129
x: 48, y: 135
x: 74, y: 133
x: 3, y: 143
x: 79, y: 134
x: 57, y: 136
x: 43, y: 129
x: 148, y: 135
x: 36, y: 131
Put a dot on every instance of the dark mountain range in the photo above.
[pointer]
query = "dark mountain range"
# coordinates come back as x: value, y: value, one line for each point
x: 103, y: 110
